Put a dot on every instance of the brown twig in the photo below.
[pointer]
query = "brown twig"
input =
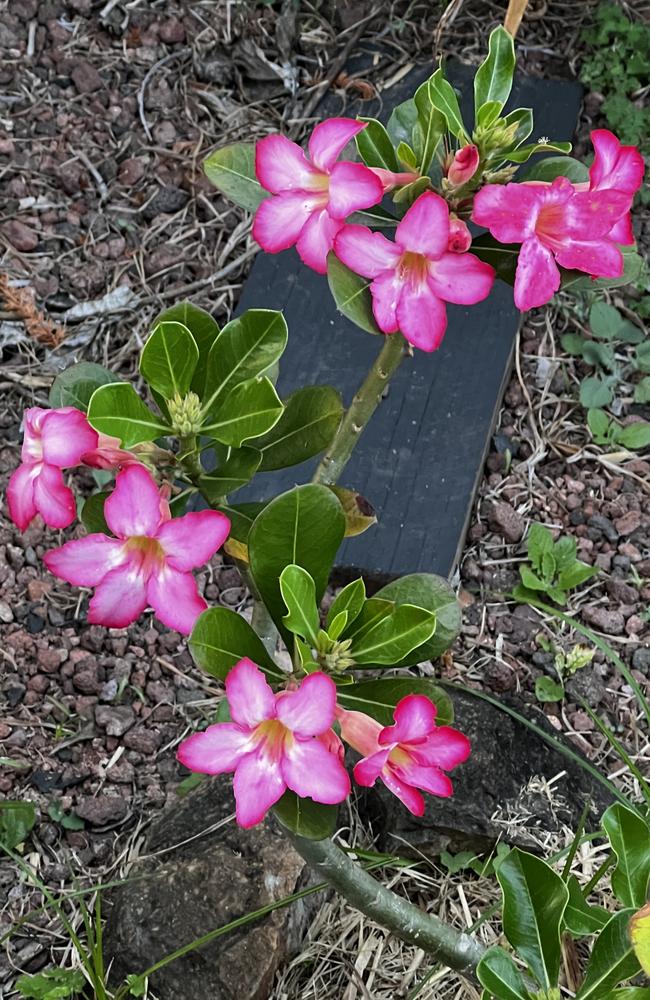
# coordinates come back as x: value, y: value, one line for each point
x: 514, y: 14
x: 20, y: 301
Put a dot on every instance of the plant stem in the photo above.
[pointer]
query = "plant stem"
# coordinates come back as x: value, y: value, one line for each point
x: 360, y: 410
x: 189, y: 458
x: 457, y: 950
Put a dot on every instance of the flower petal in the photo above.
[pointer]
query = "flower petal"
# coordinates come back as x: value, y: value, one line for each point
x: 66, y: 435
x: 175, y: 598
x: 32, y: 449
x: 309, y: 710
x: 250, y: 698
x: 429, y: 779
x: 311, y: 771
x: 216, y: 750
x: 422, y: 316
x: 317, y: 239
x: 415, y: 718
x: 359, y: 730
x: 191, y: 540
x: 461, y: 278
x: 365, y: 252
x: 258, y: 784
x: 120, y: 598
x: 54, y: 501
x: 279, y: 220
x: 330, y: 138
x: 409, y: 796
x: 444, y: 748
x: 591, y: 214
x: 20, y: 494
x: 386, y: 290
x: 352, y: 187
x: 281, y: 165
x: 425, y: 227
x: 615, y: 166
x: 368, y: 770
x: 464, y: 165
x: 133, y: 508
x: 622, y: 231
x: 509, y: 211
x: 537, y: 278
x: 600, y: 258
x: 85, y: 562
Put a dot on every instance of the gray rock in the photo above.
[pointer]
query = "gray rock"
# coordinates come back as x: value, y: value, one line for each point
x: 641, y: 659
x: 103, y: 810
x: 604, y: 620
x: 115, y: 719
x: 505, y: 521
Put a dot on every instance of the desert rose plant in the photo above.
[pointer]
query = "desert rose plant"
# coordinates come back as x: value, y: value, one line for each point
x: 391, y: 231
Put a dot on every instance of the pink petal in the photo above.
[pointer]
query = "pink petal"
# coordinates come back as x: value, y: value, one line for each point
x: 368, y: 770
x: 460, y: 238
x: 66, y: 435
x: 591, y: 214
x: 509, y: 211
x: 216, y: 750
x: 279, y: 220
x: 422, y: 317
x: 310, y: 771
x: 32, y: 450
x: 600, y: 258
x: 464, y: 165
x: 281, y: 165
x: 408, y: 795
x: 191, y: 540
x: 444, y: 748
x: 429, y: 779
x: 386, y: 290
x: 359, y: 731
x: 622, y: 232
x: 537, y: 278
x: 615, y: 166
x: 415, y: 718
x: 461, y: 278
x: 365, y: 252
x: 54, y: 501
x: 133, y: 508
x: 175, y: 598
x: 258, y: 785
x: 85, y: 562
x: 120, y: 598
x: 20, y: 494
x: 425, y: 227
x: 317, y: 239
x: 250, y: 698
x: 352, y: 187
x: 390, y: 180
x: 309, y: 711
x: 330, y: 138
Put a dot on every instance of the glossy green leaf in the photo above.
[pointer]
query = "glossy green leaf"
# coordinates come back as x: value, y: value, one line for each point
x: 500, y: 976
x: 351, y: 293
x: 501, y: 256
x: 443, y: 97
x: 580, y: 917
x: 338, y: 626
x: 75, y: 385
x: 169, y: 359
x: 524, y: 153
x: 17, y: 818
x: 429, y: 127
x: 299, y: 595
x: 488, y: 113
x: 232, y: 170
x: 249, y: 410
x: 558, y: 166
x: 204, y: 330
x: 372, y: 611
x: 235, y: 471
x: 493, y: 80
x: 350, y: 599
x: 92, y: 514
x: 393, y: 637
x: 629, y: 993
x: 629, y: 836
x: 242, y: 516
x: 401, y: 124
x: 117, y: 410
x: 247, y: 347
x: 534, y: 901
x: 307, y: 818
x: 375, y: 147
x: 378, y: 698
x: 309, y: 422
x: 375, y: 218
x: 221, y: 637
x: 639, y: 929
x: 523, y: 117
x: 612, y: 960
x: 304, y: 526
x: 426, y: 590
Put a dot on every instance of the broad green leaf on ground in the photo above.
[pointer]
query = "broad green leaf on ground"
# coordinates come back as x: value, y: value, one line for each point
x: 605, y: 320
x: 378, y: 698
x: 393, y: 637
x: 375, y: 147
x: 309, y: 422
x: 307, y: 818
x: 580, y: 917
x: 169, y: 359
x: 53, y: 984
x: 247, y: 347
x: 203, y: 328
x: 629, y: 836
x: 233, y: 472
x: 249, y: 410
x: 595, y: 392
x: 350, y: 599
x: 493, y: 80
x: 75, y: 385
x: 299, y: 595
x: 634, y: 435
x: 17, y: 817
x: 232, y: 170
x: 547, y: 689
x: 612, y: 959
x: 426, y: 590
x: 351, y: 293
x: 117, y: 410
x: 221, y: 637
x: 500, y: 976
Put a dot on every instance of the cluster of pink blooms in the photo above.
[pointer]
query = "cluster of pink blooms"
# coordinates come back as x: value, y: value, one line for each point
x: 286, y: 741
x: 574, y: 225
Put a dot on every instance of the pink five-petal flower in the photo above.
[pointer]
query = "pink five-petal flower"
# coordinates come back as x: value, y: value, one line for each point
x: 275, y: 742
x: 311, y: 198
x: 412, y: 754
x: 464, y: 165
x: 616, y: 167
x: 53, y: 440
x: 553, y: 223
x: 414, y: 276
x: 149, y: 560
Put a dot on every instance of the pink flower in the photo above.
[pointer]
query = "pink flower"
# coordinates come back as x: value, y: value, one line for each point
x: 460, y: 238
x: 275, y: 742
x: 391, y: 180
x: 108, y: 454
x: 311, y: 199
x: 553, y: 223
x: 414, y: 276
x: 148, y: 563
x: 464, y: 165
x: 53, y: 440
x: 412, y: 754
x: 616, y: 167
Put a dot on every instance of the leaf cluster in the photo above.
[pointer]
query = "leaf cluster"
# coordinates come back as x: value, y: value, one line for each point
x: 554, y: 569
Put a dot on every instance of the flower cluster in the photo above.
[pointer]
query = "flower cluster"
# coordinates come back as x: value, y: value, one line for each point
x: 286, y: 741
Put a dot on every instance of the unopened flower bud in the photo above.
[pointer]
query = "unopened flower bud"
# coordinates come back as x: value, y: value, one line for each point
x: 391, y: 180
x: 185, y: 413
x: 460, y: 238
x: 464, y: 165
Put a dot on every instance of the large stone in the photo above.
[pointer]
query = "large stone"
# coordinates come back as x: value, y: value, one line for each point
x: 210, y: 873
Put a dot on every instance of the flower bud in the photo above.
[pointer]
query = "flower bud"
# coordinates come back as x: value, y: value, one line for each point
x: 185, y: 413
x: 464, y: 165
x: 460, y: 238
x: 391, y: 180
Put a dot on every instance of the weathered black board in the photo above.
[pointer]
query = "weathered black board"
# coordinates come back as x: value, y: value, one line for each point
x: 420, y: 457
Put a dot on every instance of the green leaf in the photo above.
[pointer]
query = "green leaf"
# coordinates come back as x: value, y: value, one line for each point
x: 304, y: 526
x: 169, y: 359
x: 501, y: 256
x: 443, y: 97
x: 241, y: 517
x: 235, y: 471
x: 558, y: 166
x: 392, y: 638
x: 17, y: 818
x: 534, y: 901
x: 580, y: 917
x: 351, y: 293
x: 612, y: 959
x: 92, y: 514
x: 378, y: 698
x: 203, y: 328
x: 373, y: 610
x: 338, y: 626
x: 523, y: 117
x: 642, y: 391
x: 53, y: 984
x: 595, y: 392
x: 530, y: 580
x: 524, y: 153
x: 376, y: 218
x: 500, y: 976
x: 493, y: 80
x: 221, y: 638
x: 604, y: 320
x: 575, y: 574
x: 426, y: 590
x: 309, y: 422
x: 629, y: 836
x: 75, y: 385
x: 629, y: 993
x: 249, y: 410
x: 299, y: 595
x: 487, y: 114
x: 401, y: 124
x: 429, y: 127
x: 305, y: 817
x: 546, y: 689
x: 247, y: 347
x: 634, y: 435
x: 599, y: 355
x: 351, y: 600
x: 232, y: 170
x: 117, y: 410
x: 359, y: 513
x: 642, y: 357
x: 639, y: 929
x: 572, y: 343
x: 375, y: 147
x: 539, y: 542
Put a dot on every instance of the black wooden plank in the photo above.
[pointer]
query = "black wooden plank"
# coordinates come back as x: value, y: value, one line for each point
x: 419, y: 460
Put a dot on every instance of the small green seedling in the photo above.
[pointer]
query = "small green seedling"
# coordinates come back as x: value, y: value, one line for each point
x: 609, y: 433
x: 53, y: 984
x: 553, y: 570
x: 69, y: 821
x: 565, y: 663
